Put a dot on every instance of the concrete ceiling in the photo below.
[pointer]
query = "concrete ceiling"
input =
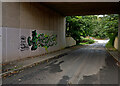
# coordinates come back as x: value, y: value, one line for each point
x: 83, y: 8
x: 59, y: 0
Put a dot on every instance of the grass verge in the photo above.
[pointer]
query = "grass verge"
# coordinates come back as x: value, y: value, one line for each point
x: 109, y: 46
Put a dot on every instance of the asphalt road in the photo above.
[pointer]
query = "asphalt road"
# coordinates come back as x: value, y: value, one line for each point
x: 89, y: 64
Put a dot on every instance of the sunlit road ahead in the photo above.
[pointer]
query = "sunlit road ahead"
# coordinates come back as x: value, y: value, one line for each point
x: 90, y: 64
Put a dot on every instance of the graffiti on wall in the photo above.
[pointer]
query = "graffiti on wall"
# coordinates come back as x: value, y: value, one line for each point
x: 41, y: 40
x: 23, y: 45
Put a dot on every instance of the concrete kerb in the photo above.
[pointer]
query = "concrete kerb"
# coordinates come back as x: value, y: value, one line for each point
x: 31, y: 65
x: 118, y: 63
x: 17, y: 70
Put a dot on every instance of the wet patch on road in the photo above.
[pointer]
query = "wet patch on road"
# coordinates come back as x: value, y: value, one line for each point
x: 5, y: 69
x: 107, y: 75
x: 89, y: 80
x: 64, y: 81
x: 40, y: 67
x: 51, y: 67
x: 54, y: 68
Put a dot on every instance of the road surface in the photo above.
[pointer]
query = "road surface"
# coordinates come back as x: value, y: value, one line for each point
x: 90, y: 64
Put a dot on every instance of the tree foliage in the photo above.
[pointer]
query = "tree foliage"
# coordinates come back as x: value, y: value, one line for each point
x: 92, y: 25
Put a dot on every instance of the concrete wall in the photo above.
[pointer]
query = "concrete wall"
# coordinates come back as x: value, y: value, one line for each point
x: 0, y: 42
x: 0, y: 33
x: 119, y: 34
x: 20, y: 19
x: 70, y: 41
x: 116, y: 43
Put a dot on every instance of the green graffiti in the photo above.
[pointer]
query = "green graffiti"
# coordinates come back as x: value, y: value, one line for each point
x: 41, y: 40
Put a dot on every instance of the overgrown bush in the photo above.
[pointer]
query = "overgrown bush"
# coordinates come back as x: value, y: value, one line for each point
x: 86, y: 41
x: 109, y: 45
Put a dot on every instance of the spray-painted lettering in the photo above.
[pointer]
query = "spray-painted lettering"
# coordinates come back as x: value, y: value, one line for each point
x: 23, y: 44
x: 41, y: 40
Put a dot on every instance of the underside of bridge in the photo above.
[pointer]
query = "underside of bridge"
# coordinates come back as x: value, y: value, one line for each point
x: 20, y: 20
x: 83, y: 8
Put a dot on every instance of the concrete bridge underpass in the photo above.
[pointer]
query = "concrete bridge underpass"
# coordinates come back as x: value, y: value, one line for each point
x: 30, y: 29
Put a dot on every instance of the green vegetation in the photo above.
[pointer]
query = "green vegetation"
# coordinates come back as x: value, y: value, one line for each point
x: 93, y: 26
x: 108, y: 45
x: 86, y: 41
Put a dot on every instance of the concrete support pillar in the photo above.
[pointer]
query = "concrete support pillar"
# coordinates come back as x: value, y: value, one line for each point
x: 119, y: 34
x: 0, y: 40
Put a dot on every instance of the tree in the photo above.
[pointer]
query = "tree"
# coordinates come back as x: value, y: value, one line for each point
x: 99, y: 27
x: 111, y: 26
x: 77, y: 26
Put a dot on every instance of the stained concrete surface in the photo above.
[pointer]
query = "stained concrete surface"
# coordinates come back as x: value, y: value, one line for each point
x: 89, y: 65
